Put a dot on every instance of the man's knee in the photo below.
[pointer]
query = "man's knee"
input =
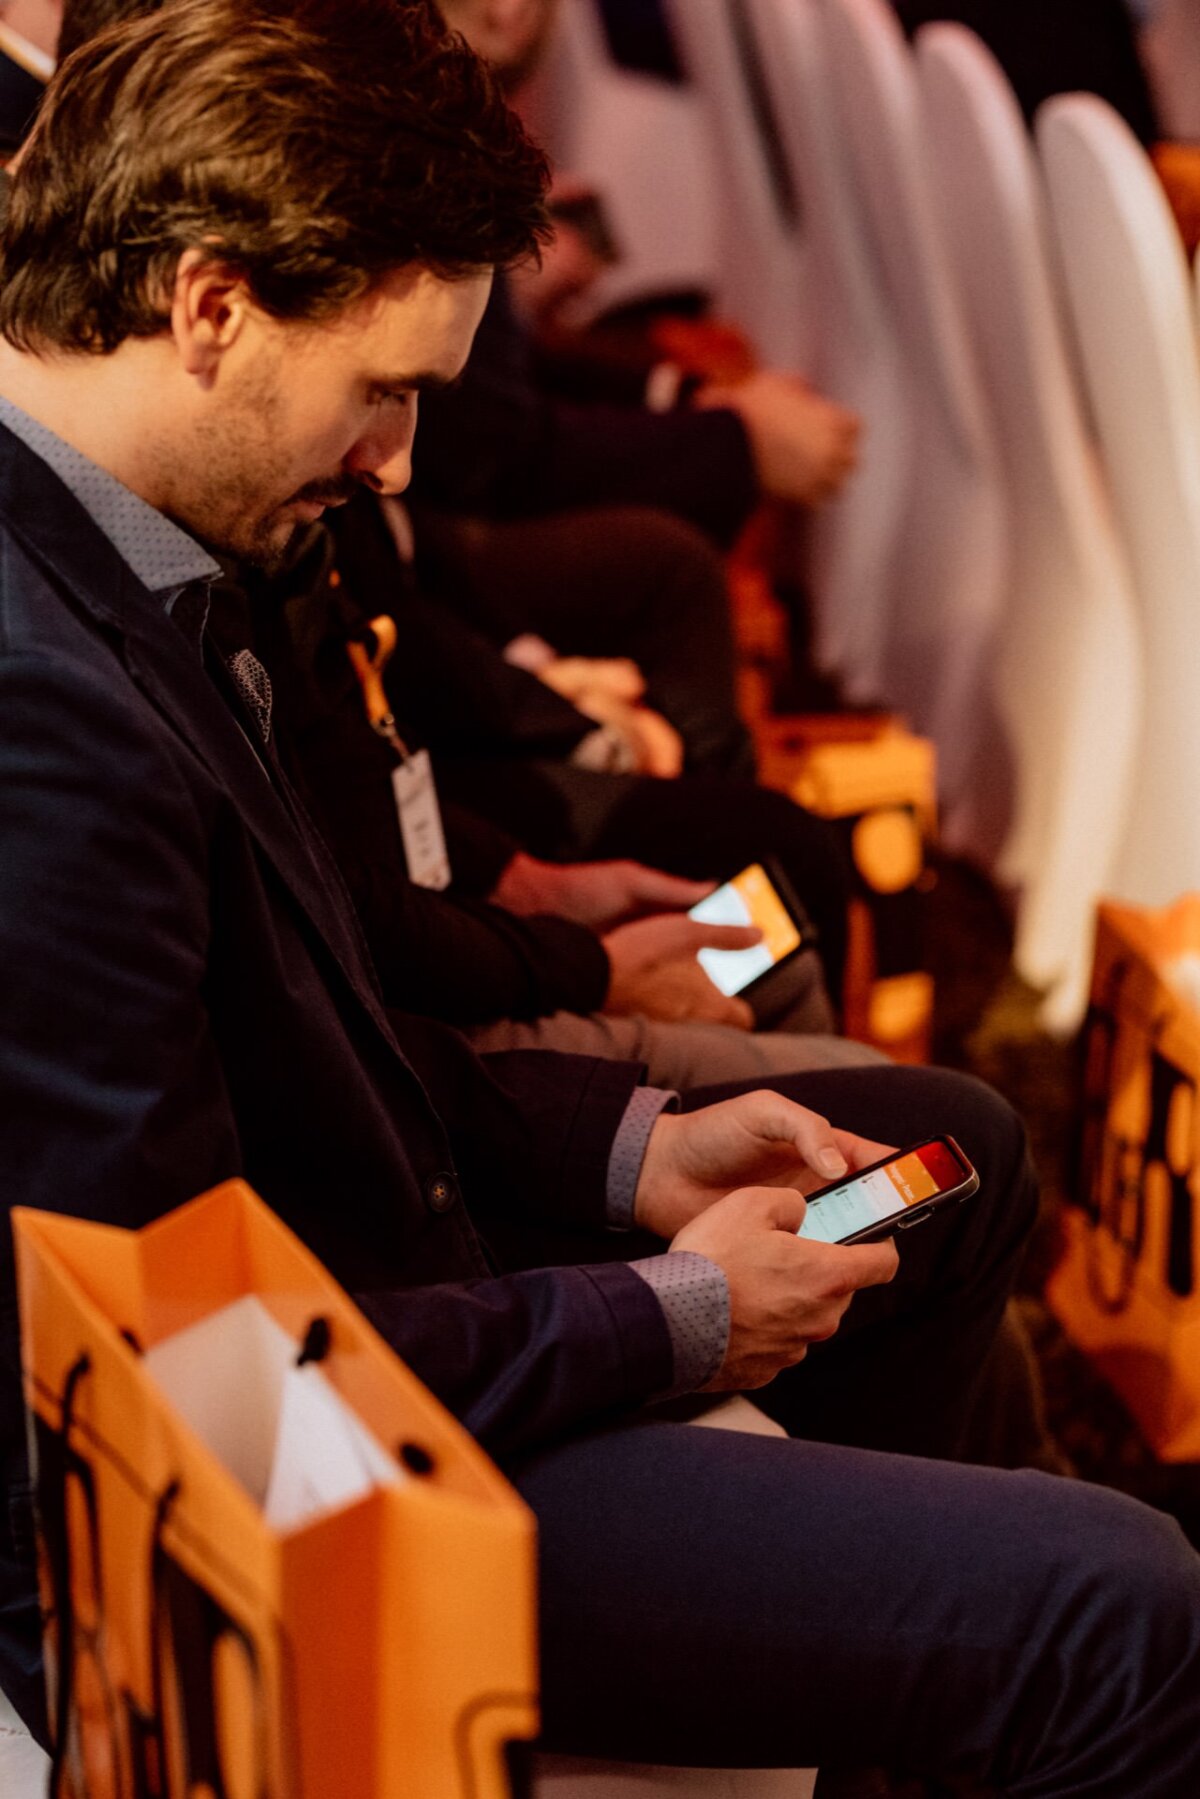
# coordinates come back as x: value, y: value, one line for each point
x: 1117, y: 1619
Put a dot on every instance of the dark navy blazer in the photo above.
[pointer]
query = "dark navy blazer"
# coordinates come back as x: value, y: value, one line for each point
x: 185, y: 996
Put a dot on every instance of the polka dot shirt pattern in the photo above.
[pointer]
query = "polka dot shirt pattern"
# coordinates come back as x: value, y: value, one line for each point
x: 694, y: 1295
x: 161, y: 555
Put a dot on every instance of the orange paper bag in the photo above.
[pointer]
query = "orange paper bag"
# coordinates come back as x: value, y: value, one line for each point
x: 1127, y: 1288
x: 272, y: 1565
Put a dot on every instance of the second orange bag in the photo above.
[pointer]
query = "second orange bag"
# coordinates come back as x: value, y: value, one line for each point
x: 1127, y: 1288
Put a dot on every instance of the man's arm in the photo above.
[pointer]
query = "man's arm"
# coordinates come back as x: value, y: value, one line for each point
x: 116, y: 1101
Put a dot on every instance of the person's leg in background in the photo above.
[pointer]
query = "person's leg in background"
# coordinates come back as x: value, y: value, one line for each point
x: 678, y: 1056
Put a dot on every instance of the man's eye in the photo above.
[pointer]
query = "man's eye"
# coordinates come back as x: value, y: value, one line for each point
x: 395, y: 396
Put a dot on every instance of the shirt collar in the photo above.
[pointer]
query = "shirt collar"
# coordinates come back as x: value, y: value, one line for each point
x: 162, y: 556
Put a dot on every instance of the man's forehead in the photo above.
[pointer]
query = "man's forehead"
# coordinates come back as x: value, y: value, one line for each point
x: 417, y: 325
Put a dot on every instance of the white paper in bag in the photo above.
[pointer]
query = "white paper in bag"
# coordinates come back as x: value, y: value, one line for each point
x: 283, y: 1432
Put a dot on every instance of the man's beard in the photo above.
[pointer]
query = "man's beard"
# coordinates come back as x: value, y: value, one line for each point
x: 215, y: 476
x: 263, y: 546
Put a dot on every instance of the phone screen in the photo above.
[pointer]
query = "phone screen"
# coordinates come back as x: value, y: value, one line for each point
x: 884, y: 1192
x: 750, y: 898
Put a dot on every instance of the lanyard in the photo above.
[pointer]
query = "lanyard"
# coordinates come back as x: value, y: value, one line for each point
x: 369, y: 666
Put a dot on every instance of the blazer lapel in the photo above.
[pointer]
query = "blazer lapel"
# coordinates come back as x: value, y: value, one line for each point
x: 58, y: 532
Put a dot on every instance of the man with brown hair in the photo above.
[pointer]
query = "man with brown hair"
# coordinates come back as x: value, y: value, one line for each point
x: 239, y: 244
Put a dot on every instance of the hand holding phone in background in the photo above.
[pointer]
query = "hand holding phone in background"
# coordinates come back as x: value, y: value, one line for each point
x: 655, y: 970
x: 758, y: 896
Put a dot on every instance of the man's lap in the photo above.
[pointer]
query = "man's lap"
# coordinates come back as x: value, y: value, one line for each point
x: 709, y: 1597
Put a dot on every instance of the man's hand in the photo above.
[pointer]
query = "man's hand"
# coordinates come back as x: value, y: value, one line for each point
x: 657, y: 745
x: 655, y: 971
x: 784, y: 1292
x: 575, y: 677
x: 610, y: 690
x: 759, y: 1139
x: 601, y: 895
x: 805, y: 446
x: 654, y: 743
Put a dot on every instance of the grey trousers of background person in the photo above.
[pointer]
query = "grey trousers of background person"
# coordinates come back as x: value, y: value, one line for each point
x: 678, y: 1056
x: 685, y: 1055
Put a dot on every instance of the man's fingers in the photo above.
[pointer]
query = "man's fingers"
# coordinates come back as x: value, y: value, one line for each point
x: 718, y: 936
x: 767, y: 1208
x: 860, y: 1152
x: 651, y: 887
x: 829, y: 1152
x: 673, y: 936
x: 779, y: 1120
x: 786, y: 1208
x: 868, y: 1264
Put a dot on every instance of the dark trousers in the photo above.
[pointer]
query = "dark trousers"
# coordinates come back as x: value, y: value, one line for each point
x: 851, y: 1596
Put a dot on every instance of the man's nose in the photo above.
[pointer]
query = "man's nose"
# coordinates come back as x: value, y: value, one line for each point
x: 382, y: 460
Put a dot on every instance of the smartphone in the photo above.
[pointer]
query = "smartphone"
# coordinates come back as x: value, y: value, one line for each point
x: 892, y: 1195
x: 760, y: 896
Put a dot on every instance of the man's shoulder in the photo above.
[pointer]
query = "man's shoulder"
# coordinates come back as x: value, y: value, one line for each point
x: 48, y: 539
x: 39, y: 612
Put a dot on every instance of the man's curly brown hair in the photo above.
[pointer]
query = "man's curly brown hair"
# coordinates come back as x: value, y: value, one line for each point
x: 313, y: 147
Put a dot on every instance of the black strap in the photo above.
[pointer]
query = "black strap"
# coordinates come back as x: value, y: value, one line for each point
x: 64, y: 1602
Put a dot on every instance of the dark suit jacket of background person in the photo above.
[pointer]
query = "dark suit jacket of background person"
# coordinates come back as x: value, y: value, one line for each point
x: 185, y: 997
x: 499, y: 445
x: 1051, y: 47
x: 523, y: 790
x: 442, y: 955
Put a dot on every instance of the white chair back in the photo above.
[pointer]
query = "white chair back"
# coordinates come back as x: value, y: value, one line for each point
x: 642, y: 145
x: 1130, y: 296
x: 760, y: 249
x: 1066, y: 677
x: 854, y: 355
x: 948, y: 563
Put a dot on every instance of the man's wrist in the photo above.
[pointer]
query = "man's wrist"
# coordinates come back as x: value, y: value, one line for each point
x: 647, y: 1213
x: 694, y: 1295
x: 643, y: 1115
x: 521, y: 887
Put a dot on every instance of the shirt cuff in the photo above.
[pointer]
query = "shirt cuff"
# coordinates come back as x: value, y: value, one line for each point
x: 625, y: 1158
x: 694, y: 1296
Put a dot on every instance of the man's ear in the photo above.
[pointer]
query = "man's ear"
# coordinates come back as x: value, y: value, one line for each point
x: 209, y: 310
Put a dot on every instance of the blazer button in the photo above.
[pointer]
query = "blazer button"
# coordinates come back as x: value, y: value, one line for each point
x: 441, y: 1192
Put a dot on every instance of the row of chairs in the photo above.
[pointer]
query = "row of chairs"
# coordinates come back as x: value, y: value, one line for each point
x: 1014, y: 564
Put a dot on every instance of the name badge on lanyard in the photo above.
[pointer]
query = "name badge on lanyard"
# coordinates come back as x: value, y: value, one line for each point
x: 421, y: 821
x: 417, y: 806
